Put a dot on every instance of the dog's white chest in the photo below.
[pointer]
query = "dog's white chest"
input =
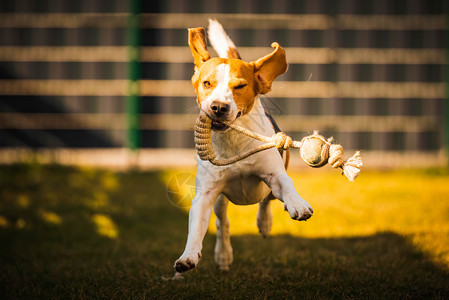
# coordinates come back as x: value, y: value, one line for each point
x: 243, y: 188
x: 242, y: 180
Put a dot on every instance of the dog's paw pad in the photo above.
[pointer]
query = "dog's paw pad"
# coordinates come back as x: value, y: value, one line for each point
x: 184, y: 266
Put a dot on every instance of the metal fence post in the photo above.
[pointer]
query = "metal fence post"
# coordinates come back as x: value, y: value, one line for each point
x: 134, y: 74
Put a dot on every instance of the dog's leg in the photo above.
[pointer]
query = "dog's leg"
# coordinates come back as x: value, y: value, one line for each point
x: 264, y: 216
x: 223, y: 248
x: 283, y: 189
x: 199, y: 218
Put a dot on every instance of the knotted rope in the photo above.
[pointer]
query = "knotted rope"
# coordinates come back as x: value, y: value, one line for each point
x: 315, y: 150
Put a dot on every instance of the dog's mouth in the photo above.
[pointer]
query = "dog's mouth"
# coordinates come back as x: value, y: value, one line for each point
x: 219, y: 126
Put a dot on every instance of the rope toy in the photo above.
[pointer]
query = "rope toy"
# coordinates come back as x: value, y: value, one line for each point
x: 315, y: 150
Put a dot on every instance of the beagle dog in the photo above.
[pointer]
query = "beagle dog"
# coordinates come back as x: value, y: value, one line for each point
x: 227, y: 90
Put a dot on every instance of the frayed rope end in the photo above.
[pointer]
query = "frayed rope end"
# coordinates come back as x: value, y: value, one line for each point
x: 352, y: 166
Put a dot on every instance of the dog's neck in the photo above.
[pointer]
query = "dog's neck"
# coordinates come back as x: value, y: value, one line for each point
x: 231, y: 142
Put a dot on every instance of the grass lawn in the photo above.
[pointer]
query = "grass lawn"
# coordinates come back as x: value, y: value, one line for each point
x: 89, y: 233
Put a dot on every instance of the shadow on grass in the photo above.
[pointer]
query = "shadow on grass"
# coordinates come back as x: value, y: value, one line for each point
x: 54, y: 245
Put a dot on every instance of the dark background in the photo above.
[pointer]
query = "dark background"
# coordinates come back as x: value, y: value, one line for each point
x: 411, y: 122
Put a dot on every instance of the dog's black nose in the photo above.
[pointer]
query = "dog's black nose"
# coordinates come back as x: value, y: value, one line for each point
x: 219, y: 108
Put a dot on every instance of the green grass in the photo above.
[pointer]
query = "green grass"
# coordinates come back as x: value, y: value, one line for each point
x: 89, y: 233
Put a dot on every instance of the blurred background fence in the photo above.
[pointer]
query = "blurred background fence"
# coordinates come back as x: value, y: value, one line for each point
x: 83, y: 81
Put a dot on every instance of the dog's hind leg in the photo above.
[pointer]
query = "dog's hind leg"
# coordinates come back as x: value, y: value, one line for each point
x: 264, y: 216
x: 223, y: 248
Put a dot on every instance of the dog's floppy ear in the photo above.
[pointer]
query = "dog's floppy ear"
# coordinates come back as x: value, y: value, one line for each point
x: 197, y: 43
x: 267, y: 68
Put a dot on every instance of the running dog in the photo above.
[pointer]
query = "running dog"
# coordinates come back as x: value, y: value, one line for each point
x: 228, y: 90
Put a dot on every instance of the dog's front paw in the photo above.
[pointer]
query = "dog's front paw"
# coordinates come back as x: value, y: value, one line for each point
x: 186, y: 263
x: 299, y: 210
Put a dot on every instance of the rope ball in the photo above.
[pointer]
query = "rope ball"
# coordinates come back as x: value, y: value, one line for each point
x: 315, y: 150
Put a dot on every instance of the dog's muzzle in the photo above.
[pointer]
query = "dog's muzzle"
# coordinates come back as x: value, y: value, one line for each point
x: 219, y: 109
x: 219, y: 126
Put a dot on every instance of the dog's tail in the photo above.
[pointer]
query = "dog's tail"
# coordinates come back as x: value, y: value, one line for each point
x: 220, y: 41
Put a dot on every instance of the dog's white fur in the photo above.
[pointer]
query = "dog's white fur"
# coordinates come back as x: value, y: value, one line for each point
x: 255, y: 179
x: 219, y: 40
x: 222, y: 91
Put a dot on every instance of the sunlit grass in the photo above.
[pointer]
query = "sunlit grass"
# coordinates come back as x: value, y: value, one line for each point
x: 50, y: 217
x: 105, y: 226
x: 85, y: 233
x: 412, y: 203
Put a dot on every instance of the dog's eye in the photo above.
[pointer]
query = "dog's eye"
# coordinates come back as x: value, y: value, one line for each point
x: 239, y: 87
x: 206, y: 84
